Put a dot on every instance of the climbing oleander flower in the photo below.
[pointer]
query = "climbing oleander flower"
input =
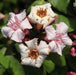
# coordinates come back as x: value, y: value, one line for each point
x: 15, y: 26
x: 33, y: 54
x: 59, y: 38
x: 42, y: 14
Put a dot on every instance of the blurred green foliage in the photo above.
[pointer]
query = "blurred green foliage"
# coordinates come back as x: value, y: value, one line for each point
x: 9, y: 51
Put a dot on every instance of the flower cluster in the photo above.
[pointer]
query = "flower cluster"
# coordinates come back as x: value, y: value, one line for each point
x: 34, y: 50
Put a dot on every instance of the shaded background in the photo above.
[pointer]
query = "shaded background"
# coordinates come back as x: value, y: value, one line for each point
x: 54, y: 64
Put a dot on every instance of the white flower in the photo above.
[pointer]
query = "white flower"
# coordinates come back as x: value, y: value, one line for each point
x: 34, y: 54
x: 42, y: 14
x: 16, y: 24
x: 59, y: 38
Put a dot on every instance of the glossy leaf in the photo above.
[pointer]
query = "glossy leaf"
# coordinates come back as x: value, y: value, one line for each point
x: 29, y: 70
x: 62, y: 18
x: 59, y: 71
x: 64, y: 6
x: 2, y: 70
x: 71, y: 62
x: 3, y: 50
x: 72, y: 21
x: 58, y: 60
x: 16, y: 67
x: 1, y: 5
x: 14, y: 1
x: 17, y: 47
x: 4, y: 60
x: 66, y: 50
x: 49, y: 65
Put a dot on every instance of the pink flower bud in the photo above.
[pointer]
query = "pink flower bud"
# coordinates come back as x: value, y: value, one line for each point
x: 71, y: 73
x: 73, y: 51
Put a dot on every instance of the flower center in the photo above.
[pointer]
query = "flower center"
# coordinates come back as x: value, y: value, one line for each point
x: 58, y: 39
x: 15, y: 24
x: 33, y: 54
x: 41, y: 13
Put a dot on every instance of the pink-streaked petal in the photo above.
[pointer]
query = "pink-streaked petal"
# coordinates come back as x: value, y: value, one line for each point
x: 7, y: 32
x: 26, y: 61
x: 23, y: 51
x: 25, y: 24
x: 39, y: 61
x: 18, y: 36
x: 59, y: 49
x: 21, y: 15
x: 52, y: 45
x: 61, y: 28
x: 32, y: 43
x: 12, y: 15
x: 50, y: 32
x: 66, y: 40
x: 43, y: 48
x: 56, y: 47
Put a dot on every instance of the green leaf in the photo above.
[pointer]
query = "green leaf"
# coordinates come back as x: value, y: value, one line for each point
x: 63, y: 61
x: 61, y: 5
x: 4, y: 60
x: 1, y: 70
x: 16, y: 66
x: 71, y: 62
x: 58, y: 60
x: 35, y: 3
x: 48, y: 65
x: 29, y: 70
x: 1, y: 45
x: 64, y: 6
x: 66, y: 50
x: 62, y: 18
x: 44, y: 70
x: 59, y: 71
x: 1, y: 5
x: 17, y: 47
x: 72, y: 21
x: 13, y: 1
x: 3, y: 50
